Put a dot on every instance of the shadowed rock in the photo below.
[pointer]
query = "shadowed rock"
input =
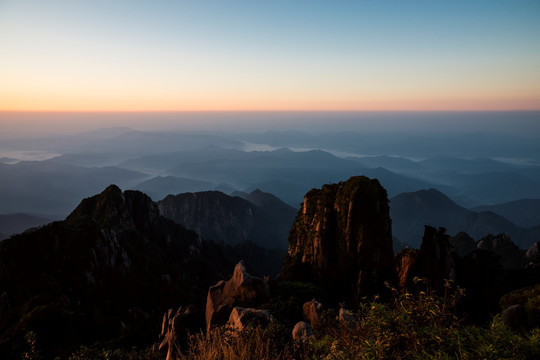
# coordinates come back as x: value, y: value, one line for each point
x: 302, y: 331
x: 242, y: 318
x: 174, y: 330
x: 435, y: 259
x: 312, y: 311
x: 515, y: 318
x: 345, y: 316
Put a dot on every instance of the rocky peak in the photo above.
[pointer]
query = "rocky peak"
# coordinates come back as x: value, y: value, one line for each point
x: 232, y: 220
x: 212, y: 214
x: 113, y: 208
x: 436, y: 261
x: 510, y: 255
x: 342, y: 239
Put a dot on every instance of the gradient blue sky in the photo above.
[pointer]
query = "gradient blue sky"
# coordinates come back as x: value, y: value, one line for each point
x: 269, y: 55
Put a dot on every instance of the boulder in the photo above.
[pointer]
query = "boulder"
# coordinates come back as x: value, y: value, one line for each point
x: 515, y: 318
x: 345, y: 316
x: 174, y: 330
x: 242, y: 318
x: 242, y: 289
x: 312, y: 311
x: 302, y: 331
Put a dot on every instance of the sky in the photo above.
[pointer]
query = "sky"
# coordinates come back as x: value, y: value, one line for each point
x: 280, y: 55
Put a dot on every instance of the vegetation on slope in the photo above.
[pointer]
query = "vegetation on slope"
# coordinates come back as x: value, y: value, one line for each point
x: 421, y: 326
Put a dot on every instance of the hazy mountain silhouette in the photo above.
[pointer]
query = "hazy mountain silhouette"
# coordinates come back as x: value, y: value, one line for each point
x: 50, y: 188
x: 160, y: 186
x: 411, y: 211
x: 16, y: 223
x: 470, y: 174
x: 524, y: 213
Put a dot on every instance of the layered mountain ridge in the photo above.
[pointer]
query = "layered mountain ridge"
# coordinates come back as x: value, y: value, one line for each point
x: 411, y: 211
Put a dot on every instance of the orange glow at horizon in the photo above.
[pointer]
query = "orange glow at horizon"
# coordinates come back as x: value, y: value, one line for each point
x: 299, y: 98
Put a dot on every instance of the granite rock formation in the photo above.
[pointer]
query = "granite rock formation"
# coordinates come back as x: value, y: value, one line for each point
x: 406, y: 267
x: 435, y: 259
x: 511, y: 257
x: 242, y: 289
x: 174, y: 330
x: 232, y: 219
x: 242, y: 318
x: 342, y: 241
x: 313, y: 311
x: 302, y: 331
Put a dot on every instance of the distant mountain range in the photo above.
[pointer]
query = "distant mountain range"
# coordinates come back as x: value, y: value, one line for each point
x: 51, y: 188
x: 16, y: 223
x: 524, y: 213
x: 411, y: 211
x: 170, y: 163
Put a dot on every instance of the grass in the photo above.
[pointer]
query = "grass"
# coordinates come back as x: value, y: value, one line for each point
x: 419, y: 326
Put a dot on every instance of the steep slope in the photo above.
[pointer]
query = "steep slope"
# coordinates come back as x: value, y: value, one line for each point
x: 273, y: 216
x: 524, y: 213
x: 411, y: 211
x: 486, y: 222
x: 106, y: 273
x: 231, y: 219
x: 342, y: 241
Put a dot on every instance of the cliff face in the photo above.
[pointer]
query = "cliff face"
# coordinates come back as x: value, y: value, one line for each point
x: 211, y: 214
x: 342, y: 239
x: 231, y: 219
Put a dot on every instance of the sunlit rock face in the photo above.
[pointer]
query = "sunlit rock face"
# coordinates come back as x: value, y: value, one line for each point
x: 342, y: 240
x: 242, y: 289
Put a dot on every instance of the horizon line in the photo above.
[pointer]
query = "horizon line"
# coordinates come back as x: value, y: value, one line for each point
x: 272, y: 111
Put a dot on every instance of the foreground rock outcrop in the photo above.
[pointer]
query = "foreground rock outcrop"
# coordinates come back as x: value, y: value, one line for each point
x: 174, y: 330
x: 242, y: 289
x: 342, y: 241
x: 313, y: 311
x: 242, y: 318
